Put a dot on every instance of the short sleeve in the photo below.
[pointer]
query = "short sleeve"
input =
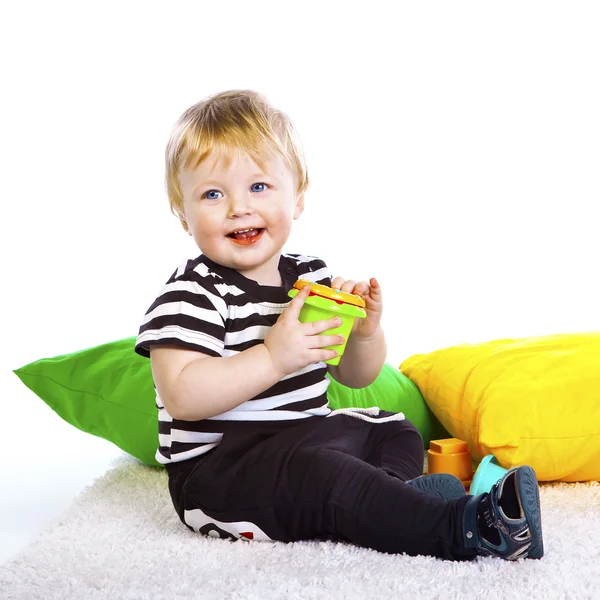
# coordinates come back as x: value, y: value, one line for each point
x: 312, y: 269
x: 186, y: 314
x: 322, y: 273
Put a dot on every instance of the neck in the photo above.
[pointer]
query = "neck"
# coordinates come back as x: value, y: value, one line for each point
x: 267, y: 273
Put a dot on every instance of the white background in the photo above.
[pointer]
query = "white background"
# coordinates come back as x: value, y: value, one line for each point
x: 453, y: 147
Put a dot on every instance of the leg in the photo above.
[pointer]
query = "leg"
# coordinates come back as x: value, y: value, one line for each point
x: 397, y: 448
x: 352, y: 500
x: 305, y: 483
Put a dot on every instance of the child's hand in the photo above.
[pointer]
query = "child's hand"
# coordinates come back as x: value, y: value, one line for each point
x: 294, y: 345
x: 371, y: 294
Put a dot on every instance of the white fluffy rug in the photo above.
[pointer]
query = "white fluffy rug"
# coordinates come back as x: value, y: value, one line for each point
x: 121, y: 539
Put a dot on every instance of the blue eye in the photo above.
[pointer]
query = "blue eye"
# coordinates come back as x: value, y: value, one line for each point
x: 255, y: 185
x: 210, y: 195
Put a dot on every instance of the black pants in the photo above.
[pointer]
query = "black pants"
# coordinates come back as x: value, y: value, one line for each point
x: 338, y: 478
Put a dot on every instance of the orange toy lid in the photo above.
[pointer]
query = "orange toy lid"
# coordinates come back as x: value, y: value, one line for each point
x: 448, y: 446
x: 316, y: 289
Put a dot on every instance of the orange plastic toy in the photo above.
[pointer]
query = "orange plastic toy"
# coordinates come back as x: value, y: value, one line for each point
x: 450, y: 456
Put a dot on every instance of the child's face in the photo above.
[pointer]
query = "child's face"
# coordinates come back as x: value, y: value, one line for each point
x: 241, y: 215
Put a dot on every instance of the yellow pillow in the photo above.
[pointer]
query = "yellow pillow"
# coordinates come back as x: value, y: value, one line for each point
x: 532, y: 401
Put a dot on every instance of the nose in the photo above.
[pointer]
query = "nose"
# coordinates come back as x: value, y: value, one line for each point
x: 239, y: 205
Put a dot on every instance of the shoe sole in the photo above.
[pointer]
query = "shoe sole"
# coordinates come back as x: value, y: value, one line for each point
x: 528, y: 490
x: 443, y: 485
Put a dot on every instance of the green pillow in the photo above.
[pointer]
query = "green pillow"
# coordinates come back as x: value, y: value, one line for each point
x: 108, y: 391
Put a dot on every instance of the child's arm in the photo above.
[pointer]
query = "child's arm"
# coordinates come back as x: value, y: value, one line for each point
x: 194, y: 386
x: 362, y: 360
x: 366, y: 349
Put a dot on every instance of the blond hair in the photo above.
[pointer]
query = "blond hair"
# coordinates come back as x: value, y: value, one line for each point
x: 226, y: 123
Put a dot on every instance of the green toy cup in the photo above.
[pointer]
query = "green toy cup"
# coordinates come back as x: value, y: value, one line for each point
x: 324, y: 303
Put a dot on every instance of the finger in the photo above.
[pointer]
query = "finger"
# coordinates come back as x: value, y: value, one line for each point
x: 316, y: 327
x: 323, y: 355
x: 348, y: 286
x: 361, y: 289
x: 337, y: 283
x: 375, y: 291
x: 321, y: 341
x: 374, y: 301
x: 295, y: 306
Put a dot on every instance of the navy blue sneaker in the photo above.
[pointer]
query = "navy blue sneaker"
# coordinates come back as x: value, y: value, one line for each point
x: 444, y: 485
x: 506, y: 522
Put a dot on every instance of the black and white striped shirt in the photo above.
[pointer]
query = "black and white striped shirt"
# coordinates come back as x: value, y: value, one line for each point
x: 217, y: 311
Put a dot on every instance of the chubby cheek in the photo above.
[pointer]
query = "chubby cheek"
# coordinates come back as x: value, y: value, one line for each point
x: 282, y: 226
x: 204, y: 225
x: 282, y: 219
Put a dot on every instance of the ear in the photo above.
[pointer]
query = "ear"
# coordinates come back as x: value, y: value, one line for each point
x: 299, y: 206
x: 184, y: 223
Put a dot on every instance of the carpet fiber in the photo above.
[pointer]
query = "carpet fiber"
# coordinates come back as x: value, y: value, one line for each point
x: 121, y: 539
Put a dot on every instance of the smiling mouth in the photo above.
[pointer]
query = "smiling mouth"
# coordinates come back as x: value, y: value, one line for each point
x: 245, y: 237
